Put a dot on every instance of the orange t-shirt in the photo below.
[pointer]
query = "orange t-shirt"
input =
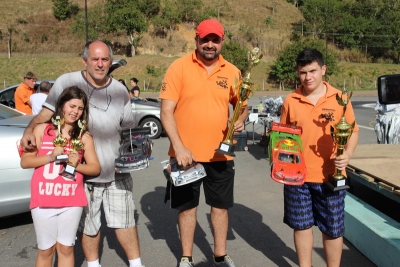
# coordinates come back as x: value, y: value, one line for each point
x: 202, y: 109
x: 316, y: 122
x: 22, y: 95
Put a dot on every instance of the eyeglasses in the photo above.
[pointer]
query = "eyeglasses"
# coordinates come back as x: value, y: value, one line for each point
x: 99, y: 108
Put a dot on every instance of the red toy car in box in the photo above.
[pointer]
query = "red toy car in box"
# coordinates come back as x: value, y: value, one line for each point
x: 287, y: 164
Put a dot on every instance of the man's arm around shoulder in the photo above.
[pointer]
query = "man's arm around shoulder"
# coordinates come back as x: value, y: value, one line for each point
x: 28, y: 140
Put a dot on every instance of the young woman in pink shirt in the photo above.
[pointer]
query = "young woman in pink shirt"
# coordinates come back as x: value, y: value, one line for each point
x: 57, y: 200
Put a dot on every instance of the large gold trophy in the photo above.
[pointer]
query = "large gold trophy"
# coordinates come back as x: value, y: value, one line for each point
x: 341, y: 134
x: 243, y: 90
x: 69, y: 170
x: 59, y: 141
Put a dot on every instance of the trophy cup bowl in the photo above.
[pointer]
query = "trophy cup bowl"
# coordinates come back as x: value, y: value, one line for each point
x: 59, y: 141
x: 68, y: 170
x: 341, y: 134
x: 243, y: 90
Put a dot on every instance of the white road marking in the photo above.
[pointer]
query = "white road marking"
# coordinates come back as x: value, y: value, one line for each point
x: 365, y: 127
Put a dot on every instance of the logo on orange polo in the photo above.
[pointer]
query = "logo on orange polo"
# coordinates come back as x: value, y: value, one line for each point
x: 164, y: 87
x: 223, y: 84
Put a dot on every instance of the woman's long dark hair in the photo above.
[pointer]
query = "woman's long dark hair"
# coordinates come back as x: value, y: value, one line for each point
x: 73, y: 92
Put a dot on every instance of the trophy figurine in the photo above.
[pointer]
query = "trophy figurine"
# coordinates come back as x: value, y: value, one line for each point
x: 243, y: 90
x: 69, y: 170
x: 59, y: 141
x: 340, y: 133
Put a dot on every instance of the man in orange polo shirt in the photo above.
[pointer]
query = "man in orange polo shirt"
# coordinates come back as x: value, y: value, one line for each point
x: 196, y: 93
x: 23, y: 93
x: 314, y: 107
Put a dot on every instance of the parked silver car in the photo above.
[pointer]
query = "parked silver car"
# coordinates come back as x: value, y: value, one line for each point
x: 14, y: 181
x: 146, y: 112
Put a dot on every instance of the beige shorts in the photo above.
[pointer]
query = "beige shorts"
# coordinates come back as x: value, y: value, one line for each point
x: 118, y: 206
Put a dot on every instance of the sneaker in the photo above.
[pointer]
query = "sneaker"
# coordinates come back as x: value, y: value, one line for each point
x: 228, y: 262
x: 185, y: 263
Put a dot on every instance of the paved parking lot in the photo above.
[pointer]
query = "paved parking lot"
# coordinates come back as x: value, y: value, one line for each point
x: 257, y: 236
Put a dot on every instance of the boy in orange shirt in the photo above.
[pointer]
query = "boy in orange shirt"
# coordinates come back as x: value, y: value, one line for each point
x: 314, y: 107
x: 23, y: 93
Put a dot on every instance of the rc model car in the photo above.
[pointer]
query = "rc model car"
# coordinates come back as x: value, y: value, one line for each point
x: 286, y: 154
x: 135, y: 150
x: 178, y: 175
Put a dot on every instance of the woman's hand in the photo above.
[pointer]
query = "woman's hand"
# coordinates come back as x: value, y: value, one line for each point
x: 56, y: 152
x: 73, y: 158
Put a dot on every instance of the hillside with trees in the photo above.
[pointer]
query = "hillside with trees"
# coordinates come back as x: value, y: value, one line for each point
x: 348, y: 32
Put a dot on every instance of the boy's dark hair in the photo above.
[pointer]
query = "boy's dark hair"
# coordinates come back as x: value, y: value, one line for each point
x: 308, y: 56
x: 73, y: 92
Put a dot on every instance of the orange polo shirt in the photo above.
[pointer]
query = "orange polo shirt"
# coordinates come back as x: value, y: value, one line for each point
x: 316, y: 122
x: 202, y: 109
x: 22, y: 95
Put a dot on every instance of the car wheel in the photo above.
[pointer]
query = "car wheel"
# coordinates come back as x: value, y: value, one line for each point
x: 155, y: 127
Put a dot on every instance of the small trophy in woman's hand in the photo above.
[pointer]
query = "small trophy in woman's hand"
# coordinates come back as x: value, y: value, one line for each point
x: 69, y: 169
x: 59, y: 141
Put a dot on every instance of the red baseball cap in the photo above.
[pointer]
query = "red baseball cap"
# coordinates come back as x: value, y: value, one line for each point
x: 209, y: 26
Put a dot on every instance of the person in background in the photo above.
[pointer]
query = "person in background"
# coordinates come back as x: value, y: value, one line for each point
x: 313, y: 106
x: 38, y: 99
x: 123, y: 82
x: 23, y: 93
x: 135, y: 91
x: 110, y: 112
x: 57, y: 202
x: 202, y: 78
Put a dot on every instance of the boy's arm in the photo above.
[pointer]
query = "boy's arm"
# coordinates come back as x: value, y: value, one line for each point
x: 342, y: 161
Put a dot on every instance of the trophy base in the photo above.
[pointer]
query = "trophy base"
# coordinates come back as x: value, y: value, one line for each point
x: 62, y: 159
x: 68, y: 172
x: 226, y: 149
x: 337, y: 184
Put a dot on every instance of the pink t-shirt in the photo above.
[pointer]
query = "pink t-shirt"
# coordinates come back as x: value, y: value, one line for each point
x: 48, y: 188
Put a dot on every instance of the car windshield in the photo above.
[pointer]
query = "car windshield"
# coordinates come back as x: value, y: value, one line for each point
x: 6, y: 112
x: 291, y: 158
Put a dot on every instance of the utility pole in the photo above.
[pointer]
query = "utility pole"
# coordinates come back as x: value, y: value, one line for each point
x: 8, y: 40
x: 86, y: 23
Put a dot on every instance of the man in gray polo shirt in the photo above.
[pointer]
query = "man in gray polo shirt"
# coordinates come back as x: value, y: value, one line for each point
x: 109, y: 112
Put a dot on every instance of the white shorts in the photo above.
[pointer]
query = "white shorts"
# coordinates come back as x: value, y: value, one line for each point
x: 56, y: 225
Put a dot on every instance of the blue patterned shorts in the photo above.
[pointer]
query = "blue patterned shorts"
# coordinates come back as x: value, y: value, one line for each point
x: 315, y: 204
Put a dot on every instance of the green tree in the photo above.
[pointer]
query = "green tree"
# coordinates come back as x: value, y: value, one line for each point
x: 235, y: 54
x: 150, y: 8
x: 126, y: 16
x: 168, y: 18
x: 284, y: 70
x: 96, y: 23
x: 63, y: 9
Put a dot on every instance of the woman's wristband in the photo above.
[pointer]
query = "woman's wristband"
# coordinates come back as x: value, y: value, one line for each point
x: 48, y: 158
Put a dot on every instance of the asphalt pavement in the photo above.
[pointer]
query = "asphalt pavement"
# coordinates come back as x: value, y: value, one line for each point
x: 257, y: 235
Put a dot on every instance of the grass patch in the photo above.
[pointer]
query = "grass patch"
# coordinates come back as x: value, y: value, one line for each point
x: 355, y: 76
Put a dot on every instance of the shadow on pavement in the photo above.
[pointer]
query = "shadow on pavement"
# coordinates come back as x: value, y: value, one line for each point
x: 112, y: 241
x: 163, y: 224
x: 248, y: 224
x: 16, y: 220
